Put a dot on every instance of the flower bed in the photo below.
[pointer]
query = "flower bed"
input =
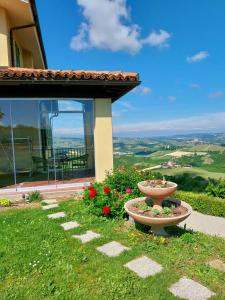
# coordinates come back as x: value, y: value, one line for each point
x: 105, y: 201
x: 108, y: 198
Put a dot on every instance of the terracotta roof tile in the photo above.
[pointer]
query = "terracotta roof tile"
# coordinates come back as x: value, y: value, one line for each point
x: 39, y: 74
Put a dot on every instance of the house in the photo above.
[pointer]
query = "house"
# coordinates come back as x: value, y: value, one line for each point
x: 169, y: 164
x: 54, y: 124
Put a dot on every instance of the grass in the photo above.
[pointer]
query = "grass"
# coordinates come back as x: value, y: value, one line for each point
x: 66, y: 269
x: 195, y: 171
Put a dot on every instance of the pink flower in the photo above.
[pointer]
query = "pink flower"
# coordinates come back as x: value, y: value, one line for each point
x: 120, y: 196
x: 128, y: 190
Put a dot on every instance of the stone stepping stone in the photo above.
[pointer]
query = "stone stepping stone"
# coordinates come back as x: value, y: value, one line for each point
x: 144, y: 266
x: 70, y: 225
x: 86, y: 237
x: 50, y: 206
x: 217, y: 264
x: 57, y: 215
x: 49, y: 201
x: 191, y: 290
x: 112, y: 249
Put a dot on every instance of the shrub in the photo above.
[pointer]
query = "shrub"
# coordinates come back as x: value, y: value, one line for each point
x: 216, y: 188
x: 189, y: 182
x: 5, y: 202
x: 108, y: 198
x: 203, y: 203
x: 35, y: 197
x: 121, y: 179
x: 102, y: 200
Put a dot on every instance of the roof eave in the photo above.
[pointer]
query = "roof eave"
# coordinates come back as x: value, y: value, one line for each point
x: 66, y: 88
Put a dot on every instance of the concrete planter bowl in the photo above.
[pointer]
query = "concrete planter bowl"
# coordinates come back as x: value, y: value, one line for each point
x: 157, y: 195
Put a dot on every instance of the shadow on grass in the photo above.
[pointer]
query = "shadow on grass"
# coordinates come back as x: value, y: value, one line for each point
x: 171, y: 230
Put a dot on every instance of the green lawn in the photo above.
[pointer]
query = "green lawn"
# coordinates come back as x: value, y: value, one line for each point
x: 195, y: 171
x: 66, y: 269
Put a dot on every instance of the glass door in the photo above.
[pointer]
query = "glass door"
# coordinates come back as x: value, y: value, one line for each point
x: 7, y: 174
x: 45, y: 141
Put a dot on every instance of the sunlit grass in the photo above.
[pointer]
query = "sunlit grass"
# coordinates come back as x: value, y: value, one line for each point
x: 38, y: 260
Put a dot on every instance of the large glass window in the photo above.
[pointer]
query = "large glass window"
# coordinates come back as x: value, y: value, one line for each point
x: 45, y: 141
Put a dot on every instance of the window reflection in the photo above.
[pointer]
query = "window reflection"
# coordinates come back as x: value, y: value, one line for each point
x: 52, y: 139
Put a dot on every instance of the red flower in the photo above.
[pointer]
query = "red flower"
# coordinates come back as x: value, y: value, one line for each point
x: 91, y: 188
x: 116, y: 204
x: 106, y: 189
x: 92, y: 194
x: 128, y: 190
x: 106, y: 210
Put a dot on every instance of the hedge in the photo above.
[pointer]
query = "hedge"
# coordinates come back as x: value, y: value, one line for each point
x: 203, y: 203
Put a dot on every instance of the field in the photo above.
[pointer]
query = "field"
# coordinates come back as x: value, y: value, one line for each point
x: 194, y: 171
x: 203, y: 156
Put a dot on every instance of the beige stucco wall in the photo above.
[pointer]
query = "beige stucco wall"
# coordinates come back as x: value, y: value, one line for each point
x: 103, y: 137
x: 5, y: 52
x: 4, y: 39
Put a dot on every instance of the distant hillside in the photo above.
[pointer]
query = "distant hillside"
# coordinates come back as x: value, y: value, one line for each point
x: 207, y: 148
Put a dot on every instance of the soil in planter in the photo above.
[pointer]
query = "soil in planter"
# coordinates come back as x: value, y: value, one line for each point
x: 170, y: 210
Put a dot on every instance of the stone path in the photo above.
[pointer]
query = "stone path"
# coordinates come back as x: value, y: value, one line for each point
x: 87, y: 237
x: 70, y: 225
x: 207, y: 224
x: 50, y: 206
x: 112, y: 249
x: 189, y: 289
x: 144, y: 266
x: 50, y: 201
x: 217, y: 264
x: 57, y: 215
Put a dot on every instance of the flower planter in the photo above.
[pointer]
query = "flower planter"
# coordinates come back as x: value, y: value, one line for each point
x: 178, y: 212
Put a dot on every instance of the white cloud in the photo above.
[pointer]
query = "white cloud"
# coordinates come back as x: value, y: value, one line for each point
x: 197, y: 57
x: 172, y: 98
x: 216, y: 94
x: 142, y: 90
x: 126, y: 108
x: 195, y: 85
x: 116, y: 114
x: 204, y: 123
x: 127, y: 105
x: 68, y: 131
x: 159, y: 39
x: 108, y: 26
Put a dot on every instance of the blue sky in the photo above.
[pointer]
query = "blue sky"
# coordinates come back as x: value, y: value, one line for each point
x: 177, y: 46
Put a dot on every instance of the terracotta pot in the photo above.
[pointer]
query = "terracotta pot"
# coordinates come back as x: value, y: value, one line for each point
x: 157, y: 194
x: 156, y: 223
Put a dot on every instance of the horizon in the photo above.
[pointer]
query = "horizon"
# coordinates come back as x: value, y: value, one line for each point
x: 150, y: 137
x: 181, y: 63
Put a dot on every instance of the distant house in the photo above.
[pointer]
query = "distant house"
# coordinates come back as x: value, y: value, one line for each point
x: 187, y: 166
x: 169, y: 164
x: 34, y: 99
